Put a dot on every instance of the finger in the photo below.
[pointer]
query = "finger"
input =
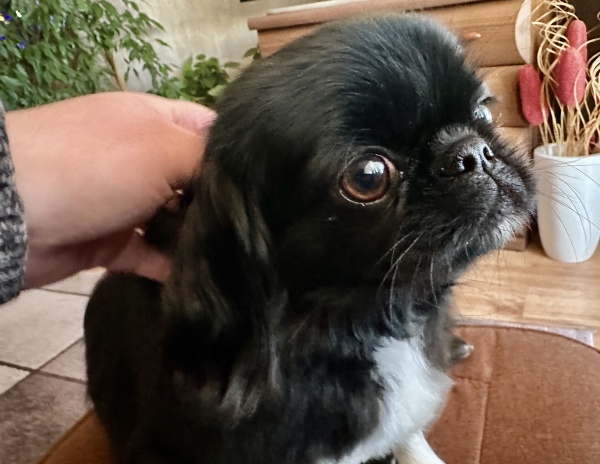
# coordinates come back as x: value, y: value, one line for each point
x: 137, y: 257
x: 191, y: 116
x: 182, y: 154
x: 187, y: 115
x: 185, y: 143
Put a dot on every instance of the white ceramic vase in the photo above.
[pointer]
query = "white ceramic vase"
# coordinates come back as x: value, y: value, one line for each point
x: 568, y: 203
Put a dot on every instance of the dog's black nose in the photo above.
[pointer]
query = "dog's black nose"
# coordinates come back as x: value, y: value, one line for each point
x: 469, y: 155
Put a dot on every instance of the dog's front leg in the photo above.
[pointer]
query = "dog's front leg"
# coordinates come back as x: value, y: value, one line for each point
x: 417, y: 451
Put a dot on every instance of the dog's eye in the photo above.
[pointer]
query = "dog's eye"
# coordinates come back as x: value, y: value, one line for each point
x: 367, y: 178
x: 483, y: 112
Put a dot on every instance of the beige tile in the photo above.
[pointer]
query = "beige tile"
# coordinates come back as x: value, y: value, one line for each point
x: 82, y: 283
x: 36, y: 413
x: 38, y: 325
x: 70, y: 364
x: 9, y: 377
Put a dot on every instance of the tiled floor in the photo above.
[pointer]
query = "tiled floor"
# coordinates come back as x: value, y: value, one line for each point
x: 42, y: 370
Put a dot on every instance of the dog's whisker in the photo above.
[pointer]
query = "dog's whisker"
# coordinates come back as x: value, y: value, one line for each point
x: 433, y: 292
x: 395, y: 267
x: 396, y: 244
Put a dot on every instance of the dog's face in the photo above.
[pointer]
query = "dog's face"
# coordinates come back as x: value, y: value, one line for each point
x: 367, y: 144
x: 361, y: 157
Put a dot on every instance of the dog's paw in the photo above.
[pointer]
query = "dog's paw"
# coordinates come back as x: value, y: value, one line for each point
x: 460, y: 350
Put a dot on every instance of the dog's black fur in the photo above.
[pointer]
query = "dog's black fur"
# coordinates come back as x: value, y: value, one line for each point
x: 259, y: 349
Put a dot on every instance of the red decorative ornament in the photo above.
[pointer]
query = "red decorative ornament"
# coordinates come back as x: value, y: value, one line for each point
x: 577, y: 37
x: 570, y: 76
x: 530, y: 88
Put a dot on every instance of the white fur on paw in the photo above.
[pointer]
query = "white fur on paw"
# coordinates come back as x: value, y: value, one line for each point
x: 417, y: 451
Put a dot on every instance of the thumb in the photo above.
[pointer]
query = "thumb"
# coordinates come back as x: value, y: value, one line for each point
x: 192, y: 117
x: 185, y: 139
x: 189, y: 116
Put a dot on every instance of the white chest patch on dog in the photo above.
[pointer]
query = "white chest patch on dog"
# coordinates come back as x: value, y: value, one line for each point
x: 413, y: 393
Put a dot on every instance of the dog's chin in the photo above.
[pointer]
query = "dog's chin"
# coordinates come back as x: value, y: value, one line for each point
x: 491, y: 231
x: 479, y: 230
x: 511, y: 209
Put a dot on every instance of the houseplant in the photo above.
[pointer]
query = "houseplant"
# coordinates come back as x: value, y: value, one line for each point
x: 56, y: 49
x: 561, y: 96
x: 201, y: 79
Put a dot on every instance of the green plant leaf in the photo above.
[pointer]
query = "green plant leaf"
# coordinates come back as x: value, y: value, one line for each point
x: 97, y: 10
x: 187, y: 65
x: 217, y: 91
x: 10, y: 82
x: 251, y: 52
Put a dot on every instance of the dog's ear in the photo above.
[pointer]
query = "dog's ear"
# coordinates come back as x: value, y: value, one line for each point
x: 222, y: 299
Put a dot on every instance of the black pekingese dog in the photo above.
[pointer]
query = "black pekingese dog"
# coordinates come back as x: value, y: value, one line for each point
x: 348, y: 181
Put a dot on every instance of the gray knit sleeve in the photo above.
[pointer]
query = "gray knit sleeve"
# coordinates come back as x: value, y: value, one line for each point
x: 13, y: 239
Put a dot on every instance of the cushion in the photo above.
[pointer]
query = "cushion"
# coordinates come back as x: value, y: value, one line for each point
x: 522, y: 397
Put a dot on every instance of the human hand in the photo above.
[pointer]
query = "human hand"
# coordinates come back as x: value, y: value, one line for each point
x: 92, y: 169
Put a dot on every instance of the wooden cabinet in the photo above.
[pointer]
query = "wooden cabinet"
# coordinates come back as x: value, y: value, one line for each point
x: 497, y: 34
x: 494, y: 21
